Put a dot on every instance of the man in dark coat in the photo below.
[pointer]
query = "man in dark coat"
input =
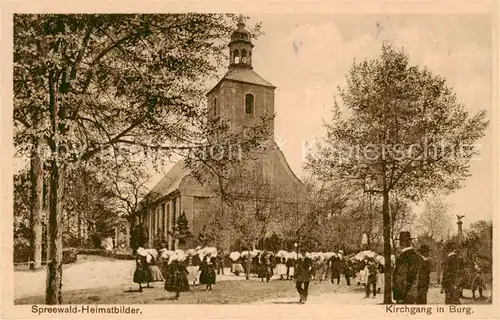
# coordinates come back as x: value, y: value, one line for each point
x: 477, y: 282
x: 406, y: 272
x: 424, y: 278
x: 334, y: 263
x: 453, y: 273
x: 220, y: 262
x: 255, y: 264
x: 344, y: 267
x: 302, y: 276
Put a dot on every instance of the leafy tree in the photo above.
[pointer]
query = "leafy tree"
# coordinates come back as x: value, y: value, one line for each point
x: 180, y: 230
x: 139, y: 237
x: 22, y: 212
x: 402, y: 216
x: 88, y: 210
x: 217, y: 229
x: 479, y: 243
x: 205, y: 237
x: 28, y: 236
x: 86, y: 84
x: 160, y: 241
x: 405, y: 131
x: 36, y: 209
x: 346, y: 215
x: 273, y: 243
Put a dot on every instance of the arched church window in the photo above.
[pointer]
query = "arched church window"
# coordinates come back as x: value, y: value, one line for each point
x: 244, y: 58
x: 215, y: 107
x: 236, y: 56
x: 249, y: 103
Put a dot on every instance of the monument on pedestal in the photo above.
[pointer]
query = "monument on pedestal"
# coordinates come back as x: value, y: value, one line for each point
x: 122, y: 235
x: 460, y: 232
x: 365, y: 242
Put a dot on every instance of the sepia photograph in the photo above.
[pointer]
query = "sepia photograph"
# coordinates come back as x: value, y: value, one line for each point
x: 323, y: 159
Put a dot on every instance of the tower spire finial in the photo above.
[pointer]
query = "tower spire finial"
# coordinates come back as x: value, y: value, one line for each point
x: 240, y: 46
x: 241, y: 21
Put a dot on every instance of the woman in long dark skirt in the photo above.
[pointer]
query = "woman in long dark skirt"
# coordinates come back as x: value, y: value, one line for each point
x: 290, y: 268
x: 176, y: 278
x: 207, y: 275
x: 255, y: 267
x: 141, y: 273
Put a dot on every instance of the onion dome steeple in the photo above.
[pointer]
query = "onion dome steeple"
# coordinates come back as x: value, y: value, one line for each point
x: 240, y: 47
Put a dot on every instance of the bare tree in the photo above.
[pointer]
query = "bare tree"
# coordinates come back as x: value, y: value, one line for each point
x: 435, y: 221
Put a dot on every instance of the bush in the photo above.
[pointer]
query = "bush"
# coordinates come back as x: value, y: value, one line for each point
x: 104, y: 253
x: 69, y: 255
x: 94, y: 252
x: 21, y: 253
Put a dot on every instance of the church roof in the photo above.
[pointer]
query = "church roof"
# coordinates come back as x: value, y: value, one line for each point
x: 171, y: 181
x: 285, y: 163
x: 245, y: 75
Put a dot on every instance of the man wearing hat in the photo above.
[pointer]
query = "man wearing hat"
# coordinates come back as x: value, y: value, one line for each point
x: 302, y: 276
x: 406, y: 272
x: 344, y: 267
x: 453, y: 273
x: 424, y: 277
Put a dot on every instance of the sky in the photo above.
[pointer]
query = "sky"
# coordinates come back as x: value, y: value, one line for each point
x: 307, y: 56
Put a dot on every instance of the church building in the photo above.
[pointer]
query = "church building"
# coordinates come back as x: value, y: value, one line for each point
x: 241, y: 96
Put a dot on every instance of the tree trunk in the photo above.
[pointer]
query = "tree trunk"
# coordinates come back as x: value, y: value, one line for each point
x: 79, y: 228
x: 370, y: 222
x: 387, y: 248
x: 53, y: 294
x: 249, y: 265
x: 438, y: 264
x: 36, y: 175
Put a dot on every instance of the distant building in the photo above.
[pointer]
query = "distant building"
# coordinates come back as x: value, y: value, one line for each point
x: 241, y: 96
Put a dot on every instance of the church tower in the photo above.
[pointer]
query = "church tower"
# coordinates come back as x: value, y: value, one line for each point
x: 242, y: 96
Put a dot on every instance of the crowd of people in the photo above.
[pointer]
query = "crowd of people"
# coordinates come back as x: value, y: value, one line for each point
x: 178, y: 269
x: 410, y: 279
x: 411, y: 276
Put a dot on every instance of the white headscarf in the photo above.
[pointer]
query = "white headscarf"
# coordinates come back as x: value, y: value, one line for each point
x: 142, y: 252
x: 152, y: 252
x: 173, y: 257
x: 181, y: 256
